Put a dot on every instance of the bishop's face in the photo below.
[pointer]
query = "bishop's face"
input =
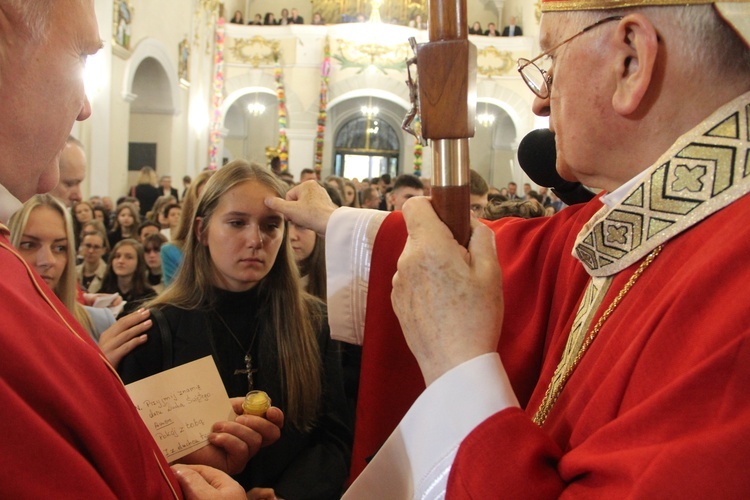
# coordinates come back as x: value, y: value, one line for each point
x: 580, y: 96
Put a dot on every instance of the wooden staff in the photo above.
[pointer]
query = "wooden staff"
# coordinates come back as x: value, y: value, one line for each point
x: 447, y: 69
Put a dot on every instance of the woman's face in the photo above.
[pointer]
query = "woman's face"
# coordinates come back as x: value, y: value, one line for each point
x: 302, y: 240
x: 349, y: 194
x: 99, y: 215
x: 125, y: 218
x: 124, y: 261
x: 44, y: 244
x: 92, y: 248
x: 153, y: 257
x: 243, y: 237
x: 83, y: 213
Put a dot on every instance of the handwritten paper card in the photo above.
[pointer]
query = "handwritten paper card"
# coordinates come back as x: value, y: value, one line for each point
x: 180, y: 405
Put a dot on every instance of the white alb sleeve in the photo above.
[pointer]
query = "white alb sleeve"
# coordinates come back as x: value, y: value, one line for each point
x: 350, y: 236
x: 416, y: 459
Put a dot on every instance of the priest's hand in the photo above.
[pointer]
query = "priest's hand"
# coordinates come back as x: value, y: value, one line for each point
x: 307, y: 205
x: 206, y: 483
x: 125, y: 335
x: 448, y: 300
x: 232, y: 444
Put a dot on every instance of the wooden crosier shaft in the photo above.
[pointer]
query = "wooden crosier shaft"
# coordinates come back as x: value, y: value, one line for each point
x: 447, y: 94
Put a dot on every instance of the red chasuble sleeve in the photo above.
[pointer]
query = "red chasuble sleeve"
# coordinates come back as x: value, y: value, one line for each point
x: 69, y: 428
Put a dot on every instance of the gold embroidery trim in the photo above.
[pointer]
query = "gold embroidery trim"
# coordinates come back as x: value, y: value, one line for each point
x: 553, y: 391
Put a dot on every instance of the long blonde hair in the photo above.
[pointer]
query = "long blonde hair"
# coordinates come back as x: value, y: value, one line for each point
x: 147, y: 175
x: 66, y: 289
x: 294, y: 316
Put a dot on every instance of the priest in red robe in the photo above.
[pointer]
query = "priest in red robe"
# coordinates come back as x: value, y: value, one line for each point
x: 69, y: 427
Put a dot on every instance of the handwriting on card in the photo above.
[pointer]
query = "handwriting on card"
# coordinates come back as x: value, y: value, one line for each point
x: 180, y: 405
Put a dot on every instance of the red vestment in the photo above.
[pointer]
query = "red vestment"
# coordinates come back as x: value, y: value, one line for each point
x: 69, y: 428
x: 658, y: 405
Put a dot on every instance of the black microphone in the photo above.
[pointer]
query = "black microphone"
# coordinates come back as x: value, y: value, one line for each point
x: 537, y: 157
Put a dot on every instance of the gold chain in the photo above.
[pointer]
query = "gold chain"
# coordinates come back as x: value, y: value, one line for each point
x: 551, y: 396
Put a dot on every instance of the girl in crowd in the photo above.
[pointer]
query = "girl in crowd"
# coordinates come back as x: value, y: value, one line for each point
x: 338, y: 183
x: 269, y: 20
x: 126, y: 223
x: 83, y: 212
x: 102, y: 215
x: 238, y: 298
x: 476, y: 29
x: 126, y: 274
x: 309, y: 254
x: 91, y: 272
x: 237, y: 18
x: 42, y: 232
x: 152, y: 250
x: 350, y: 194
x: 156, y: 214
x: 171, y: 253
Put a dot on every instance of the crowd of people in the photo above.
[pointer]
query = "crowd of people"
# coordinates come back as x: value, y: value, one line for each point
x: 510, y: 30
x: 135, y: 248
x: 286, y: 17
x: 612, y: 376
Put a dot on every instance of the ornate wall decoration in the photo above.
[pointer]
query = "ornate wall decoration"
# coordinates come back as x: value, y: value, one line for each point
x: 401, y: 11
x: 121, y: 20
x: 255, y: 51
x: 364, y: 55
x: 325, y: 73
x: 183, y: 65
x: 217, y: 99
x: 283, y: 146
x: 492, y: 62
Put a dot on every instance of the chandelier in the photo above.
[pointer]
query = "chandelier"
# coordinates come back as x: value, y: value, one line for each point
x: 256, y: 108
x: 486, y: 119
x: 369, y: 111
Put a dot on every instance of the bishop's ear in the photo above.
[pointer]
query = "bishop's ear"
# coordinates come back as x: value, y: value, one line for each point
x: 636, y: 49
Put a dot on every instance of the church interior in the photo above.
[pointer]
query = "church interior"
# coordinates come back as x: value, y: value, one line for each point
x: 180, y: 87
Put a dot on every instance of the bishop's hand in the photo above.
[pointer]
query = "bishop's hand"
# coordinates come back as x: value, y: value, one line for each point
x: 307, y: 205
x: 448, y: 300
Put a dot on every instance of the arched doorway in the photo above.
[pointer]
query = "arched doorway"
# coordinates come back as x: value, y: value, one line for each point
x: 252, y: 125
x: 366, y: 146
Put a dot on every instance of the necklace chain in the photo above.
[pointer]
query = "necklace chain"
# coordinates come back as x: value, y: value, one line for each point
x: 249, y: 370
x: 552, y: 394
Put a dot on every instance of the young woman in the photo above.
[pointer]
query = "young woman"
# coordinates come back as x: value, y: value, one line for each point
x: 350, y: 194
x: 102, y: 215
x: 127, y: 220
x: 152, y: 251
x: 91, y: 272
x: 126, y: 275
x: 42, y: 232
x: 237, y: 298
x: 309, y: 254
x: 83, y: 212
x: 171, y: 253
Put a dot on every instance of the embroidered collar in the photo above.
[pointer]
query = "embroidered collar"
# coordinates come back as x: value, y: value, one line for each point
x: 705, y: 170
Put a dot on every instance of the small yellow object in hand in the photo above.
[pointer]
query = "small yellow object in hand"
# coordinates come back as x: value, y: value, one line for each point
x: 256, y: 403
